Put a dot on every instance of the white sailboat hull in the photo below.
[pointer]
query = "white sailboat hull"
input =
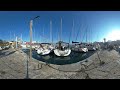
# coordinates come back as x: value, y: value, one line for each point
x: 43, y: 52
x: 80, y: 50
x: 24, y: 46
x: 62, y: 53
x: 0, y: 48
x: 91, y: 48
x: 84, y: 49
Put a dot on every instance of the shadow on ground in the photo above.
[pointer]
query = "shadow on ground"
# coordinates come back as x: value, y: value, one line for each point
x: 3, y: 54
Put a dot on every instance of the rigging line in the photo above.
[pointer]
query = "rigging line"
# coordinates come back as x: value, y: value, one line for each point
x: 73, y: 29
x: 61, y: 31
x: 77, y: 34
x: 51, y: 39
x: 90, y: 35
x: 44, y: 38
x: 69, y: 39
x: 86, y: 33
x: 70, y: 35
x: 83, y: 36
x: 81, y: 32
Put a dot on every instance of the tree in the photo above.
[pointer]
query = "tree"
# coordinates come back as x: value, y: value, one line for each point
x: 1, y: 40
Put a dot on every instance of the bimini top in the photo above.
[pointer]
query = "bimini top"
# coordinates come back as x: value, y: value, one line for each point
x: 61, y: 42
x: 74, y: 42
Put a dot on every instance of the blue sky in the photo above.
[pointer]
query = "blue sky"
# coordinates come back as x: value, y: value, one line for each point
x: 97, y: 23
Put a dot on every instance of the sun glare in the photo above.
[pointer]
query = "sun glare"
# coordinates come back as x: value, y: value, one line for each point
x: 113, y: 35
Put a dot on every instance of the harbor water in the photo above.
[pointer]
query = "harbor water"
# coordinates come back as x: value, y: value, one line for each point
x: 74, y: 57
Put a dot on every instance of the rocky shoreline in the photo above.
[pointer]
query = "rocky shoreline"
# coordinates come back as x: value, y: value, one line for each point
x: 101, y: 65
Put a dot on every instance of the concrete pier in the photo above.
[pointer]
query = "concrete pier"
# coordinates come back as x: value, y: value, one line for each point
x: 13, y: 65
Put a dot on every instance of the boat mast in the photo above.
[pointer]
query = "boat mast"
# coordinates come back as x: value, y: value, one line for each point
x: 86, y: 35
x: 60, y: 35
x: 73, y: 30
x: 81, y: 33
x: 34, y: 35
x: 51, y: 39
x: 91, y: 35
x: 61, y: 31
x: 77, y: 36
x: 43, y: 33
x: 71, y: 34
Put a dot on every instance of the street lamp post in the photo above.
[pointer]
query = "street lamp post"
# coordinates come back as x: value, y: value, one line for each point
x: 31, y: 25
x: 30, y: 57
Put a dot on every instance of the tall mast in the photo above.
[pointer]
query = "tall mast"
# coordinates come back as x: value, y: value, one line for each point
x: 81, y: 33
x: 43, y: 34
x: 61, y: 31
x: 91, y: 35
x: 34, y: 35
x: 51, y: 32
x: 73, y: 30
x: 58, y: 34
x: 86, y: 35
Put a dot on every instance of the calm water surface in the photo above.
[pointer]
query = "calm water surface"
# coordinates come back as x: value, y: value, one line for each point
x: 74, y: 57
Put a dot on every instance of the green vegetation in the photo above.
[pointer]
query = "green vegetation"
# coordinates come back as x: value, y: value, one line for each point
x: 3, y: 43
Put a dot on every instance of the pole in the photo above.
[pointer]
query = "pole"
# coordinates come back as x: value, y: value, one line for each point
x: 73, y: 31
x: 30, y: 57
x: 51, y: 31
x: 61, y: 31
x: 31, y: 24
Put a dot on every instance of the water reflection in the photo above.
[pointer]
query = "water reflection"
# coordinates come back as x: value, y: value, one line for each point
x: 53, y: 59
x: 74, y: 57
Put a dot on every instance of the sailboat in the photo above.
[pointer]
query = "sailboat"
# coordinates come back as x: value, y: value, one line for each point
x: 43, y: 50
x: 51, y: 46
x: 78, y: 47
x: 90, y: 46
x: 47, y: 48
x: 62, y: 50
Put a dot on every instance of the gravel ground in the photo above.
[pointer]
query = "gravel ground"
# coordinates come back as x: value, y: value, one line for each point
x: 101, y: 65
